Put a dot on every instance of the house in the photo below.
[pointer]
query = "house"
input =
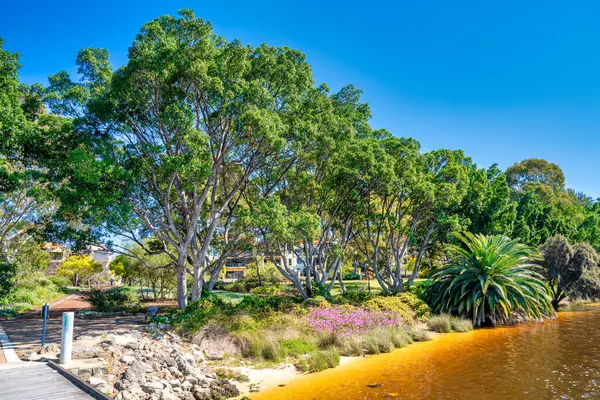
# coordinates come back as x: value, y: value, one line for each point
x: 57, y: 254
x: 236, y: 268
x: 101, y: 255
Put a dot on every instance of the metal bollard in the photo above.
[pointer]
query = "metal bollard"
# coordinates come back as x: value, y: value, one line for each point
x: 45, y: 311
x: 66, y: 341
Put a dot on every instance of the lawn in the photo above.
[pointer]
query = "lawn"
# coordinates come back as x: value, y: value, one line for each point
x: 231, y: 297
x: 363, y: 285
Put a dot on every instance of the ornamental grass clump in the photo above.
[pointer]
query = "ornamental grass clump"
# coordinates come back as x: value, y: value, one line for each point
x: 348, y: 321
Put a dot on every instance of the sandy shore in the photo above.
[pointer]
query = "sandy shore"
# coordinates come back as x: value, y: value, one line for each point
x: 261, y: 379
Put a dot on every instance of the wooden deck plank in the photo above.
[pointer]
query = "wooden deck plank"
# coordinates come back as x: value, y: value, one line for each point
x: 37, y: 382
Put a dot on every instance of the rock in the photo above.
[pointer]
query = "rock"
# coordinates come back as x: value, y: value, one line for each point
x: 224, y: 388
x: 127, y: 359
x: 135, y: 392
x: 110, y: 339
x: 50, y: 348
x: 187, y: 386
x: 84, y: 337
x: 168, y: 395
x: 105, y: 388
x: 152, y: 387
x: 122, y: 385
x: 199, y: 356
x: 85, y: 352
x: 174, y: 383
x: 29, y: 356
x: 135, y: 373
x: 132, y: 345
x: 202, y: 394
x: 216, y: 343
x: 96, y: 381
x: 191, y: 379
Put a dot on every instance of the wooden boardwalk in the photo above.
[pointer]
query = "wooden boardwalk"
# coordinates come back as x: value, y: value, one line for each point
x: 36, y: 381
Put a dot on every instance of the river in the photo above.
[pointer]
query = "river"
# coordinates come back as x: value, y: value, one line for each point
x: 557, y: 359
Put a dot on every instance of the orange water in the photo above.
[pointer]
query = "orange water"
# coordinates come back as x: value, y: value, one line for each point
x: 557, y: 359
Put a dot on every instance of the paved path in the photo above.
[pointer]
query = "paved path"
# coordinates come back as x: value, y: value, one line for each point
x: 26, y: 333
x: 36, y: 381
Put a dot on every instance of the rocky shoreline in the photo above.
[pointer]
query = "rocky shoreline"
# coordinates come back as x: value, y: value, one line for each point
x: 142, y: 365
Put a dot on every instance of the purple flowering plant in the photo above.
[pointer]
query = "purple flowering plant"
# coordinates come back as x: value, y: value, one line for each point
x: 348, y: 321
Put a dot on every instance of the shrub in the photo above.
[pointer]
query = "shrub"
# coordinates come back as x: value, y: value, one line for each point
x: 197, y: 313
x: 357, y: 297
x: 8, y: 312
x: 298, y: 347
x: 406, y: 305
x: 7, y: 274
x: 318, y: 301
x: 488, y: 279
x: 320, y: 360
x: 348, y: 320
x: 461, y: 325
x: 256, y: 304
x: 36, y: 289
x: 262, y: 345
x: 268, y: 290
x: 115, y: 299
x: 418, y: 333
x: 352, y: 276
x: 352, y: 346
x: 440, y: 323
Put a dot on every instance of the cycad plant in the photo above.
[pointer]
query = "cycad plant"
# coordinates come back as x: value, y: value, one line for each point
x: 488, y: 279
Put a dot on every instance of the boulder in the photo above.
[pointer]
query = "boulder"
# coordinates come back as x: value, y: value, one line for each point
x: 85, y: 352
x: 216, y: 343
x: 96, y: 381
x: 152, y: 387
x: 127, y: 359
x: 136, y: 372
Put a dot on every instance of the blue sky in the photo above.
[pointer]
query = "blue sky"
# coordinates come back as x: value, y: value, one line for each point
x: 502, y: 80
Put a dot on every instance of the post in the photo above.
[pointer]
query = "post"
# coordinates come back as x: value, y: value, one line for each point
x: 45, y: 311
x: 66, y: 342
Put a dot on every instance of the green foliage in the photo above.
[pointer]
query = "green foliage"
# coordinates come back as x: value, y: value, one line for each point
x: 352, y: 276
x: 407, y: 305
x: 78, y: 268
x: 319, y: 360
x: 440, y: 323
x: 571, y: 270
x: 36, y: 289
x: 265, y: 304
x: 7, y: 276
x: 489, y: 279
x: 266, y: 270
x: 115, y: 299
x: 298, y: 347
x: 461, y: 325
x: 268, y: 290
x: 445, y: 323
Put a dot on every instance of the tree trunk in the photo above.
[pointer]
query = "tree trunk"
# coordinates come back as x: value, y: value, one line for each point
x: 181, y: 286
x: 415, y: 272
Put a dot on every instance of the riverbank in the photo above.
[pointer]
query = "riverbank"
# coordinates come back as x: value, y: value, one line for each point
x: 547, y: 360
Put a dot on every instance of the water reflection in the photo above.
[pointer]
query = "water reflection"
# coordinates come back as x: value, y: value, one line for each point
x: 555, y: 360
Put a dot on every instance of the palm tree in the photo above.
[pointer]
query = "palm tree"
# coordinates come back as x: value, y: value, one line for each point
x: 488, y: 279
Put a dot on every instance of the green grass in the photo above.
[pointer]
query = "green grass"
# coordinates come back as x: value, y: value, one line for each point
x: 320, y: 360
x: 231, y: 297
x: 363, y: 285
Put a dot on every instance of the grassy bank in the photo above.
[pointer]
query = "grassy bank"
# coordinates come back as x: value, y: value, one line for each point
x: 312, y: 334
